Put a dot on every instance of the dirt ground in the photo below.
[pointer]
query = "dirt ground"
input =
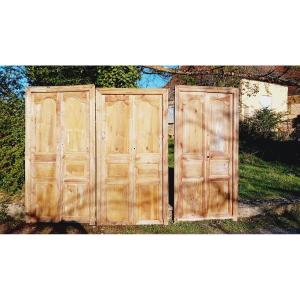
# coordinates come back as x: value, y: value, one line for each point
x: 269, y: 222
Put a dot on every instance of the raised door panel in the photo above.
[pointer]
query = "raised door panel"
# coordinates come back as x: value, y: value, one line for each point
x: 114, y: 153
x: 147, y: 150
x: 76, y: 201
x: 44, y: 185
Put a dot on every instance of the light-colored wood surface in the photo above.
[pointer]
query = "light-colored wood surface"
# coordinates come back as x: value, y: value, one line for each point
x: 132, y: 186
x: 60, y: 177
x: 206, y: 152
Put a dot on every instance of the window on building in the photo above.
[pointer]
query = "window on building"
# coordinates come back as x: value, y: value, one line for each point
x: 265, y: 101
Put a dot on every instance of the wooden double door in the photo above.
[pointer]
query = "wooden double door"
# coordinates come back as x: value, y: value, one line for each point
x: 132, y: 166
x: 60, y: 154
x: 206, y: 153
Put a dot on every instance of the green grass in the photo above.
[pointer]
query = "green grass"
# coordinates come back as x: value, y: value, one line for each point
x: 260, y: 179
x: 171, y: 153
x: 288, y: 222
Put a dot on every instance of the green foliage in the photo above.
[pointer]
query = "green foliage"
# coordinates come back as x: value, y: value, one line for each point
x: 11, y: 81
x: 262, y: 125
x: 12, y: 110
x: 12, y: 139
x: 4, y: 217
x: 118, y: 76
x: 101, y: 76
x: 296, y: 128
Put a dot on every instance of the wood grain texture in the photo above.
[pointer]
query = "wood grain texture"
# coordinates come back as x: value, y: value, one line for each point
x: 131, y: 156
x: 206, y: 149
x: 60, y: 154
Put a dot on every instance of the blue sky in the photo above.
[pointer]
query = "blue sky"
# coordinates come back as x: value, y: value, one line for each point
x: 154, y: 81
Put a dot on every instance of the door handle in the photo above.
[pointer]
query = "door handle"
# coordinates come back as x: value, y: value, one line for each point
x: 207, y: 156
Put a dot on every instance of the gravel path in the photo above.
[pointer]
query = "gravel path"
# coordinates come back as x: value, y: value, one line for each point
x: 250, y: 208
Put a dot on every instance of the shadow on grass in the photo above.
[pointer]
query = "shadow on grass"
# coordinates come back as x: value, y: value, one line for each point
x: 271, y: 222
x: 47, y: 228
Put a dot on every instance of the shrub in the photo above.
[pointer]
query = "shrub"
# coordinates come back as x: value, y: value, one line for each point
x: 12, y: 139
x: 263, y: 125
x: 296, y: 128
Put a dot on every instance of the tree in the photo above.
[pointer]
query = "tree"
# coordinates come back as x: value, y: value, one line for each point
x: 229, y: 75
x: 101, y: 76
x: 12, y: 127
x: 12, y: 82
x: 12, y: 139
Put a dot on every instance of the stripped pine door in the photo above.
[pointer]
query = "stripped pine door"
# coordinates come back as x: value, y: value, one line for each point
x: 60, y: 156
x: 206, y: 153
x: 131, y: 131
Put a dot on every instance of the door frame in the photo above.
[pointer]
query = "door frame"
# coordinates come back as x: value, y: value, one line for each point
x: 178, y: 145
x: 99, y: 111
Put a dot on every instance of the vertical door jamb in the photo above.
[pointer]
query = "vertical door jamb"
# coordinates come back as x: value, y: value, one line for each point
x: 28, y: 128
x: 164, y: 151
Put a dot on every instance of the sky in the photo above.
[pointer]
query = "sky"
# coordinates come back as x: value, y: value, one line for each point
x: 154, y: 81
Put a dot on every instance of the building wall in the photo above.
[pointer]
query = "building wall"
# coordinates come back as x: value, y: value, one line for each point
x: 294, y: 105
x: 256, y: 95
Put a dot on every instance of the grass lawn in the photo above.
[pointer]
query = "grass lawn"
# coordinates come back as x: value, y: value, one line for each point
x: 259, y: 180
x: 288, y: 222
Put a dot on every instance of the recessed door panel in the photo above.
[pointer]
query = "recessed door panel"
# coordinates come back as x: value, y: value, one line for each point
x: 117, y: 204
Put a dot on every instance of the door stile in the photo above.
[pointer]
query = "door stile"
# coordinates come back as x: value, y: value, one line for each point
x: 132, y: 158
x: 28, y: 158
x: 164, y: 151
x: 102, y: 188
x: 230, y: 212
x: 205, y: 153
x: 99, y: 109
x: 92, y: 153
x: 177, y: 154
x: 235, y: 153
x: 59, y: 153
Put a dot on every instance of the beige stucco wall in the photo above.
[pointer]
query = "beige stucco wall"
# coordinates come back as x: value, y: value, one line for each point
x: 256, y: 95
x: 294, y: 106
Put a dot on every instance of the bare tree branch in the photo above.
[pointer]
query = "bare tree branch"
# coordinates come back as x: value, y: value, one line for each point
x: 237, y: 74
